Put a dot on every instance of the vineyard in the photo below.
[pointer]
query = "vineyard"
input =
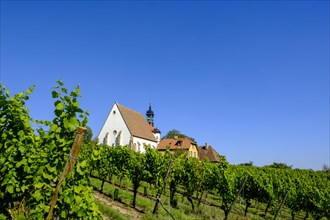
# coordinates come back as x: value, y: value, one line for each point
x: 219, y: 185
x: 34, y: 153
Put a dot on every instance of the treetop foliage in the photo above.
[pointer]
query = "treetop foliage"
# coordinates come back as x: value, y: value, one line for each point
x: 89, y: 134
x: 176, y: 133
x: 279, y: 166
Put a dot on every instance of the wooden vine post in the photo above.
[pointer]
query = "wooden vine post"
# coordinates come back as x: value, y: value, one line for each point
x: 282, y: 203
x: 155, y: 211
x: 239, y: 192
x: 72, y: 157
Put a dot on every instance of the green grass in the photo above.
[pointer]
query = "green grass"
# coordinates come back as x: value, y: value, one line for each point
x: 184, y: 210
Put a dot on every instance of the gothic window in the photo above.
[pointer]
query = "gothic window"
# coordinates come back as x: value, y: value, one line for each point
x: 118, y: 139
x: 105, y: 139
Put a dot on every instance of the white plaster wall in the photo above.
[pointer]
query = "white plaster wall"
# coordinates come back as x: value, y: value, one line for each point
x: 157, y: 136
x: 112, y: 123
x: 142, y: 142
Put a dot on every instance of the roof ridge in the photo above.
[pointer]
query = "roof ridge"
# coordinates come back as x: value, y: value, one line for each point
x: 136, y: 123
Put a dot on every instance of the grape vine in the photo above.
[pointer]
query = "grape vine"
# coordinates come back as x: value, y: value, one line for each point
x: 32, y: 160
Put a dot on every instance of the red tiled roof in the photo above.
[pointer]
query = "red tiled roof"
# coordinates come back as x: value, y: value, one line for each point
x: 175, y: 144
x: 151, y: 128
x: 136, y: 123
x: 209, y: 153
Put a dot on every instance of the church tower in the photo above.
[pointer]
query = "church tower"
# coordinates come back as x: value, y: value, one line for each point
x: 150, y: 116
x: 150, y: 119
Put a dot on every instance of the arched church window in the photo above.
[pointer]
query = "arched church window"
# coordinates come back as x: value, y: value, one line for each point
x: 105, y: 139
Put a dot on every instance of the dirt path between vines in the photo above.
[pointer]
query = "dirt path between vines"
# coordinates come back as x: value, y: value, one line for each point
x: 122, y: 208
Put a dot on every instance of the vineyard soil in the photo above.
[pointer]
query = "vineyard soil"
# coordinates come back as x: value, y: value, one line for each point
x: 127, y: 211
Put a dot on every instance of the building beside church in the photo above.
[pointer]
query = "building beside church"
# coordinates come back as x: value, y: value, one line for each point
x: 178, y: 145
x: 125, y: 126
x: 207, y: 152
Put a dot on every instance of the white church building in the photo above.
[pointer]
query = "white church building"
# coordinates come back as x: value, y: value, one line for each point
x: 125, y: 126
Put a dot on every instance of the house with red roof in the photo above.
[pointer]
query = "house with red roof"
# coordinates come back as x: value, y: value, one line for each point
x: 178, y: 145
x: 207, y: 152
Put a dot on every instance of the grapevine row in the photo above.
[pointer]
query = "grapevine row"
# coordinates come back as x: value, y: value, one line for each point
x: 299, y: 190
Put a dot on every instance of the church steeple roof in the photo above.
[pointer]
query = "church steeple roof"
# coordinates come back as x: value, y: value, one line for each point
x: 150, y: 115
x: 150, y: 119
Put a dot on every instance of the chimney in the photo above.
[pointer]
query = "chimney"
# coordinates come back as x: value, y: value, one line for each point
x: 206, y: 146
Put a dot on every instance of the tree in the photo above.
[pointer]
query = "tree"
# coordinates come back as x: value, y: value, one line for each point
x: 280, y: 166
x: 176, y: 133
x: 326, y: 168
x: 249, y: 164
x: 89, y: 135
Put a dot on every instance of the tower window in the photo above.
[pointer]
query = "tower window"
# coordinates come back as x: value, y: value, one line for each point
x: 114, y: 112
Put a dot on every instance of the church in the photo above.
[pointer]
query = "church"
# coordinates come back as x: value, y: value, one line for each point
x: 125, y: 126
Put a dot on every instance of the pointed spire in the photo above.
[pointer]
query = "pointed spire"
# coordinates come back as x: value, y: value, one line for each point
x: 150, y: 116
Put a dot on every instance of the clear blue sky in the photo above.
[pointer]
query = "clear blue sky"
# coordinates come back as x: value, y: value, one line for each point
x: 250, y: 78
